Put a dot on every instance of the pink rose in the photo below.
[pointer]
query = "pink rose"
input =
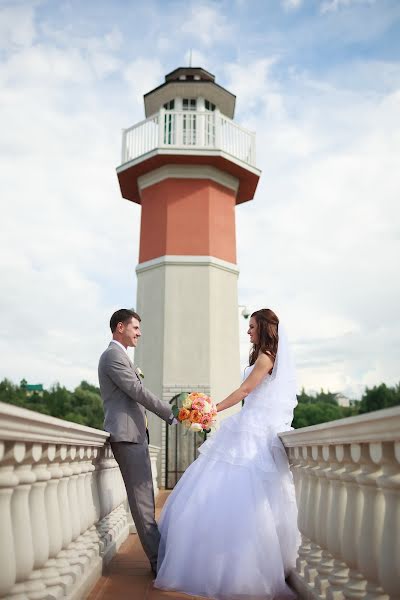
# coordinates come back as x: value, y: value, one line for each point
x: 198, y: 404
x: 206, y: 421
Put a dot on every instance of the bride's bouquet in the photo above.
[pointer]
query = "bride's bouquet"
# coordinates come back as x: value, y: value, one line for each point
x: 197, y: 413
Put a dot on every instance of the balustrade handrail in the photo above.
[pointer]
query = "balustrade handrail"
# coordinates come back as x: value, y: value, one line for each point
x: 380, y: 425
x: 22, y: 424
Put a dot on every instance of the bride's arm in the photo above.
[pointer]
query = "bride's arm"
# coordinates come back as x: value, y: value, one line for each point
x: 262, y: 366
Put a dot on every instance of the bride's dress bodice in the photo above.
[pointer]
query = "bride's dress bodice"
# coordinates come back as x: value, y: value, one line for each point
x: 258, y: 399
x: 262, y: 409
x: 249, y: 437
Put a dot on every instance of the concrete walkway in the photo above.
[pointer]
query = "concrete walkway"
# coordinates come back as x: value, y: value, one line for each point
x: 128, y: 576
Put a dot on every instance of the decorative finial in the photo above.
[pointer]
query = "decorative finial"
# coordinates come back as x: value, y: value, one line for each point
x: 190, y: 57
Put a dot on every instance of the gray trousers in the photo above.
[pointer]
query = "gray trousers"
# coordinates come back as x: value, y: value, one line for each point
x: 134, y: 463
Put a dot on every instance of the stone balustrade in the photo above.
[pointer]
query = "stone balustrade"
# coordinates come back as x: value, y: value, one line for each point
x: 347, y: 478
x: 63, y: 508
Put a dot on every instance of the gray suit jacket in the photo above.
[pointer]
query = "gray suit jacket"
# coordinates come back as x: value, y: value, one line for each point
x: 125, y: 398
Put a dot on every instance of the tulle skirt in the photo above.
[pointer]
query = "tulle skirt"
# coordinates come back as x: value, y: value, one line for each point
x: 229, y: 528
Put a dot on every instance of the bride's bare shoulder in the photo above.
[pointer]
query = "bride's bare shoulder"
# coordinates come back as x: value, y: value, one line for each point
x: 264, y: 360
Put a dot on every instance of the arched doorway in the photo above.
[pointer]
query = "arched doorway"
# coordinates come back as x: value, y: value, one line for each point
x: 180, y: 448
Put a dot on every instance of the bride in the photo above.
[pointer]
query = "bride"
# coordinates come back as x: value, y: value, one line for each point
x: 229, y: 528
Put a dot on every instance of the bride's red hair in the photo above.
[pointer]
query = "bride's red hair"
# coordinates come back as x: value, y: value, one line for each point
x: 267, y: 329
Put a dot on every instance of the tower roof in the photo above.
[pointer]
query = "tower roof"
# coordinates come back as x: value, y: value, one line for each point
x: 189, y: 82
x: 189, y: 74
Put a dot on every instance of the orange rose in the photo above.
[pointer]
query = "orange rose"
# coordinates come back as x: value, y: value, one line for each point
x: 183, y: 414
x: 195, y: 416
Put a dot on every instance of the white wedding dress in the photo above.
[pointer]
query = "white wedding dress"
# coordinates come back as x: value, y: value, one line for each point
x: 229, y: 528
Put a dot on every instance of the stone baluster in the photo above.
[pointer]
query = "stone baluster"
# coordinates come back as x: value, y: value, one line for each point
x: 105, y: 494
x: 371, y: 522
x: 56, y: 571
x: 73, y: 494
x: 295, y: 467
x: 77, y: 501
x: 67, y: 566
x: 8, y: 482
x: 21, y: 522
x: 89, y: 537
x: 83, y: 512
x: 313, y: 558
x: 95, y: 492
x: 356, y: 585
x: 389, y: 556
x: 75, y: 551
x: 63, y: 497
x: 66, y: 511
x: 340, y: 571
x: 94, y: 484
x: 105, y: 483
x: 92, y: 500
x: 325, y: 566
x: 40, y: 535
x: 89, y: 469
x: 118, y: 514
x: 303, y: 504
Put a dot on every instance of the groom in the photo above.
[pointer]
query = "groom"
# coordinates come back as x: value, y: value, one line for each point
x: 125, y: 400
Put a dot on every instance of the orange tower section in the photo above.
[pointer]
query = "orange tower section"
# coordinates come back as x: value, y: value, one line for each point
x: 188, y: 164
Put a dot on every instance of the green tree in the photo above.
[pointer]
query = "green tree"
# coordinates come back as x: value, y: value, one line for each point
x: 312, y: 413
x: 379, y: 397
x: 83, y: 405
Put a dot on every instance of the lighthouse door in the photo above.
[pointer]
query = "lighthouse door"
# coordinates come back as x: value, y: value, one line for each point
x: 180, y: 448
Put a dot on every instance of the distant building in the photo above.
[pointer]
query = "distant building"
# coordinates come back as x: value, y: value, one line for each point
x: 343, y: 400
x: 32, y: 388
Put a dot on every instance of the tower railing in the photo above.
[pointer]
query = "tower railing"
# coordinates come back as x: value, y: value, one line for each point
x: 199, y: 130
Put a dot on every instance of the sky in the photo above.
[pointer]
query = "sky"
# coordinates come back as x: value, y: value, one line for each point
x: 319, y: 83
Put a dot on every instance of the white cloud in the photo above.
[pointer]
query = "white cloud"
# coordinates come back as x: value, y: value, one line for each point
x: 252, y: 84
x: 142, y: 75
x: 291, y: 4
x: 17, y: 27
x: 206, y: 24
x: 334, y: 5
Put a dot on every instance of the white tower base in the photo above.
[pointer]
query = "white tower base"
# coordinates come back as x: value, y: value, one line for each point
x: 189, y: 311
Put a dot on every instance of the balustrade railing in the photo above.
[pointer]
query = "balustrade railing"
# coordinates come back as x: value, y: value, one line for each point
x: 63, y: 509
x: 201, y: 130
x: 347, y: 478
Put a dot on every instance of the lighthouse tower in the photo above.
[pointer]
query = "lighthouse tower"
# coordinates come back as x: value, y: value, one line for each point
x: 187, y: 164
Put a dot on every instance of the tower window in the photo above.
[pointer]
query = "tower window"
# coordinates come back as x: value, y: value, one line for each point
x: 189, y: 103
x: 209, y: 105
x: 170, y: 105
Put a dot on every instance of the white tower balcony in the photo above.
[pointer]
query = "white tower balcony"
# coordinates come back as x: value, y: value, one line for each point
x: 194, y: 132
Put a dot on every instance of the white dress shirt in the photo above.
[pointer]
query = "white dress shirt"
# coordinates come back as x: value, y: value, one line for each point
x: 119, y: 344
